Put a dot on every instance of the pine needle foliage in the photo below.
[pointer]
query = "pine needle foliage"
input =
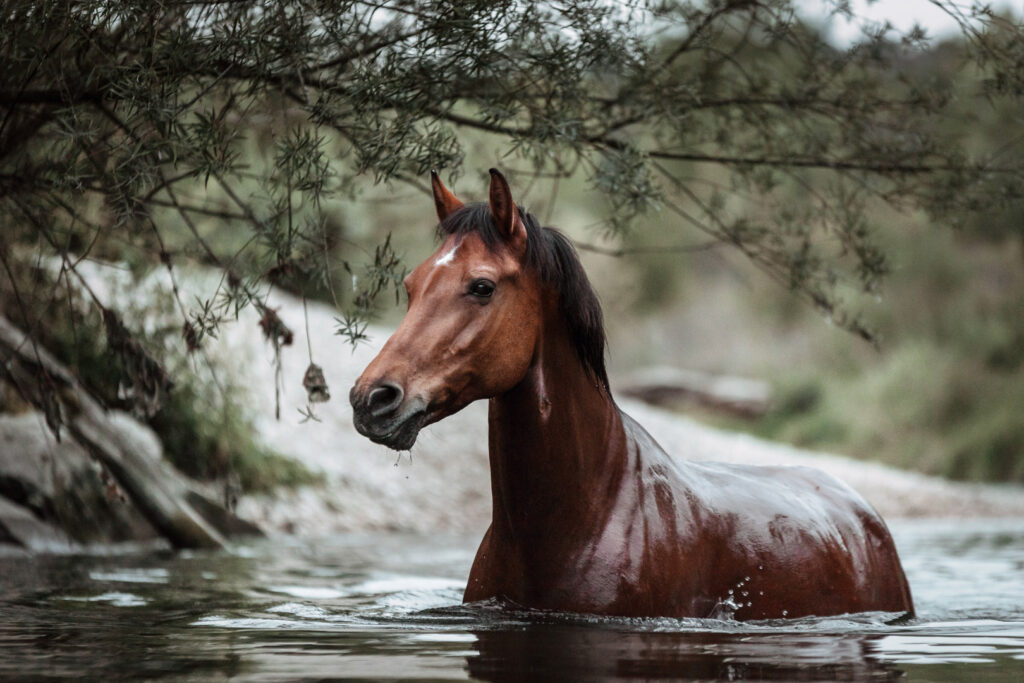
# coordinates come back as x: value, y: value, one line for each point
x: 119, y: 116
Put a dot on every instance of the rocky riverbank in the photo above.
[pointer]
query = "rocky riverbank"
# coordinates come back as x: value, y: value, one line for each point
x: 443, y: 484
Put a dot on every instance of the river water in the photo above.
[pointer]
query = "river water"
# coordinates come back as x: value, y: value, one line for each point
x: 386, y: 607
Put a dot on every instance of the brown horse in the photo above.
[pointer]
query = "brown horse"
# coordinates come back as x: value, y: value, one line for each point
x: 589, y: 513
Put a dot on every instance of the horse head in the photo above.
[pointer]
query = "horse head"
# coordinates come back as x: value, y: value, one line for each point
x: 471, y: 327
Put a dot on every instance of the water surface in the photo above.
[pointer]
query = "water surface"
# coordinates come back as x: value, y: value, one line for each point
x: 386, y: 607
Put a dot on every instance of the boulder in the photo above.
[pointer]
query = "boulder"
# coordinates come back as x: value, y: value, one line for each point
x: 58, y: 483
x: 129, y: 453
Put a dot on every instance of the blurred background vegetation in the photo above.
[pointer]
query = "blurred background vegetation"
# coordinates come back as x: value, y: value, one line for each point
x: 844, y: 222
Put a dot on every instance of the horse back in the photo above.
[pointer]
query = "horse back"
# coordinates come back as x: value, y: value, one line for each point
x: 762, y: 542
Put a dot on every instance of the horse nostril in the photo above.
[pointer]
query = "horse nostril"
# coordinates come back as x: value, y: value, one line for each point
x: 384, y: 398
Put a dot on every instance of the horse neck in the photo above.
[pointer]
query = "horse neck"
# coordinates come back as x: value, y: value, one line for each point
x: 557, y: 446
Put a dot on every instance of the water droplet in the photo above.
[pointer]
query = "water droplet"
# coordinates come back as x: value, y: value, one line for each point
x: 785, y: 612
x: 730, y: 591
x: 745, y: 594
x: 746, y: 578
x: 749, y: 604
x: 760, y: 592
x: 760, y: 566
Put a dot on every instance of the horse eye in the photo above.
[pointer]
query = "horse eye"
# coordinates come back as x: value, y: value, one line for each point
x: 481, y: 288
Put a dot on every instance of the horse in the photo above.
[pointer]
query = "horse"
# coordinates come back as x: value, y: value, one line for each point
x: 589, y: 513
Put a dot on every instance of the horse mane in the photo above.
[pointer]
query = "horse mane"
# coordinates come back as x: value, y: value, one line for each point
x: 552, y: 255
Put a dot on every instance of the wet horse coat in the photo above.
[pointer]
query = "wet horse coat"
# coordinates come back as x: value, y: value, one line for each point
x: 589, y: 513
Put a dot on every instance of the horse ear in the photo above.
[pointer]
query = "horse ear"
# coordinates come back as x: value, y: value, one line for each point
x: 503, y: 209
x: 445, y: 202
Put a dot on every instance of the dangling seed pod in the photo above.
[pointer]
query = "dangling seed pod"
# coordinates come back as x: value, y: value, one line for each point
x: 274, y: 329
x: 315, y: 384
x: 191, y: 337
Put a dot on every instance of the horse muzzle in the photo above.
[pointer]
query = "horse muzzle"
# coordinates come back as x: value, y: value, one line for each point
x: 382, y: 414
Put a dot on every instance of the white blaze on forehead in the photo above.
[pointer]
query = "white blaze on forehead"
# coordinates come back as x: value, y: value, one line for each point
x: 447, y: 258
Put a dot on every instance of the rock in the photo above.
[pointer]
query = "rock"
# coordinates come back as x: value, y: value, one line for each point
x: 126, y: 451
x: 668, y: 387
x: 59, y: 484
x: 22, y: 528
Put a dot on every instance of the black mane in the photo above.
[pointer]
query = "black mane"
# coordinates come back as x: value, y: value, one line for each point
x: 554, y: 258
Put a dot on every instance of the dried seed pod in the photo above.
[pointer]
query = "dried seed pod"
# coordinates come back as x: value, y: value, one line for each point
x: 191, y: 337
x: 274, y: 328
x: 315, y: 384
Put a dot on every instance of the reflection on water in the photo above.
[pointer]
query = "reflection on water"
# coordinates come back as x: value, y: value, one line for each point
x: 574, y: 654
x: 387, y: 607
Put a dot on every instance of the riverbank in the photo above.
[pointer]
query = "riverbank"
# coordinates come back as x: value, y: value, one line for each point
x: 443, y: 483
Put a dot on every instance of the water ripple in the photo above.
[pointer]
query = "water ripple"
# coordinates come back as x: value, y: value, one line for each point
x: 389, y: 606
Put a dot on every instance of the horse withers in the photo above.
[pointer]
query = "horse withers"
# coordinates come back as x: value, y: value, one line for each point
x: 589, y: 512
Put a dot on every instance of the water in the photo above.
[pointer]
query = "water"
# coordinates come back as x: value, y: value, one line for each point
x: 386, y: 607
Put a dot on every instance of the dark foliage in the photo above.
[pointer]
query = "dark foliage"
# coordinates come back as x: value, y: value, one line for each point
x: 122, y: 121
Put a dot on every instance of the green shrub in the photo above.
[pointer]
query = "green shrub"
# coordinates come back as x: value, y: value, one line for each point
x: 214, y: 440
